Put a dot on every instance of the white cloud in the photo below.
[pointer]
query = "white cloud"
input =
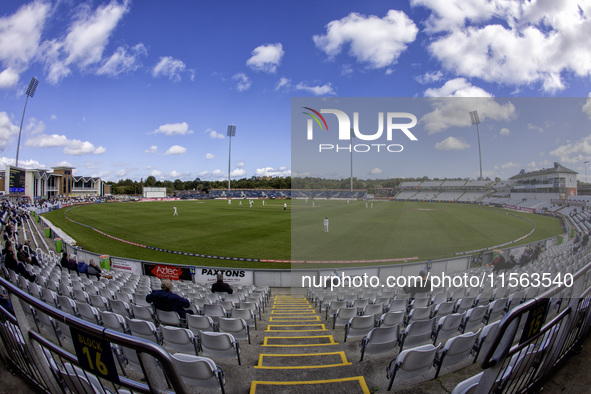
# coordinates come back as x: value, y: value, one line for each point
x: 28, y: 164
x: 176, y: 150
x: 152, y: 149
x: 242, y: 82
x: 452, y: 143
x: 587, y: 107
x: 238, y: 172
x: 35, y: 126
x: 170, y: 68
x: 505, y: 131
x: 457, y: 87
x: 284, y: 84
x: 455, y: 113
x: 173, y: 129
x: 214, y: 134
x: 85, y: 42
x: 574, y: 152
x: 266, y: 57
x: 20, y: 35
x: 7, y: 130
x: 209, y: 156
x: 240, y: 164
x: 270, y: 171
x: 375, y: 171
x: 318, y: 90
x: 429, y: 77
x: 123, y: 61
x: 510, y: 41
x: 510, y: 165
x: 533, y: 127
x: 375, y: 41
x: 69, y: 146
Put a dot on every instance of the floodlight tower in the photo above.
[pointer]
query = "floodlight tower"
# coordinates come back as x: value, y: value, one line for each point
x: 476, y: 121
x: 352, y: 160
x: 231, y: 133
x: 30, y: 93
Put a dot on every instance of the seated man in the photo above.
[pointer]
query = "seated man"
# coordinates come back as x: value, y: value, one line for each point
x: 420, y: 286
x: 220, y: 286
x: 166, y: 300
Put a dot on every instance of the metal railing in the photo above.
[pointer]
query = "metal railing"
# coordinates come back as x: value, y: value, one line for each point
x: 51, y: 367
x: 519, y: 362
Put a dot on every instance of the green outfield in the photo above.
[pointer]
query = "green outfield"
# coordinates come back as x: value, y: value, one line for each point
x: 388, y: 230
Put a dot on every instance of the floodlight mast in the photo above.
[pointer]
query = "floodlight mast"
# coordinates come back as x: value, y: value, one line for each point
x: 476, y: 121
x: 352, y: 160
x: 231, y: 133
x: 29, y: 93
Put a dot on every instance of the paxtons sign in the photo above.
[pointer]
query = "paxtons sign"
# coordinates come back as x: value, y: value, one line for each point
x: 390, y: 126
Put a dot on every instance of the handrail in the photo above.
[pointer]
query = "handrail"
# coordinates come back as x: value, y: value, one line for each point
x: 488, y: 360
x: 135, y: 343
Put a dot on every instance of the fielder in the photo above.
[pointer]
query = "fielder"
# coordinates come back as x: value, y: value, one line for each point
x: 175, y: 212
x: 326, y: 224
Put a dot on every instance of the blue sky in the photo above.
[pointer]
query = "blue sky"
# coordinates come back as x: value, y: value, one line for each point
x: 133, y: 89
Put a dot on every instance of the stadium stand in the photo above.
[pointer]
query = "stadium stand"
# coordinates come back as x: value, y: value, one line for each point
x: 40, y: 337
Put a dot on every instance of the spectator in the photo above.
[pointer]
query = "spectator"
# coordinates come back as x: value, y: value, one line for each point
x: 166, y: 300
x: 421, y: 286
x: 64, y: 262
x: 11, y: 263
x: 220, y: 286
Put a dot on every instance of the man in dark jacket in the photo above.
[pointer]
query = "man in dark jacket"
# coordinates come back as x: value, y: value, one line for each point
x: 166, y: 300
x: 220, y: 286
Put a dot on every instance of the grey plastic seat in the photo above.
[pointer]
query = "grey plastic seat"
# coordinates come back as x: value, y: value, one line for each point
x: 178, y: 339
x: 359, y: 326
x: 455, y: 351
x: 390, y: 319
x: 198, y: 323
x: 443, y: 309
x: 169, y: 318
x: 447, y: 327
x: 88, y: 312
x: 252, y: 305
x: 50, y: 297
x: 473, y: 318
x: 380, y: 340
x: 114, y: 321
x: 342, y: 316
x: 199, y: 371
x: 143, y: 329
x: 235, y: 326
x: 463, y: 304
x: 80, y: 295
x: 398, y: 304
x: 495, y: 311
x: 214, y: 311
x: 334, y: 306
x: 419, y: 314
x: 485, y: 339
x: 375, y: 310
x: 246, y: 314
x: 417, y: 333
x: 469, y: 385
x: 143, y: 312
x: 411, y: 363
x: 99, y: 302
x: 120, y: 307
x: 67, y: 305
x: 219, y: 344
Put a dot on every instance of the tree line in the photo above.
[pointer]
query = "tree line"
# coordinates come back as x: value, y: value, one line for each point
x: 130, y: 187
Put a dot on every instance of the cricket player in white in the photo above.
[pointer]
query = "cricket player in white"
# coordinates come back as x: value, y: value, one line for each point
x: 175, y: 212
x: 326, y: 224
